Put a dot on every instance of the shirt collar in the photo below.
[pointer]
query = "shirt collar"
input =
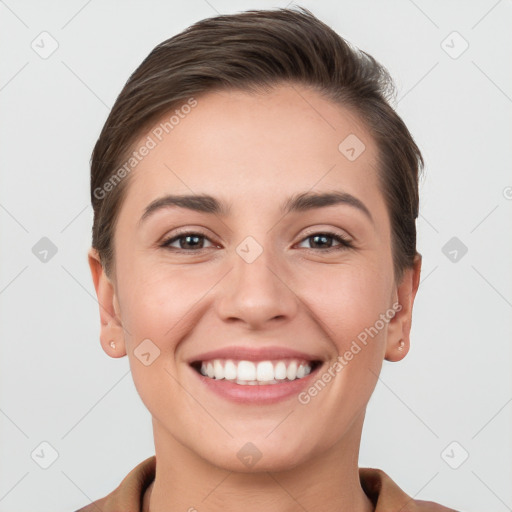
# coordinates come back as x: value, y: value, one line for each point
x: 382, y: 491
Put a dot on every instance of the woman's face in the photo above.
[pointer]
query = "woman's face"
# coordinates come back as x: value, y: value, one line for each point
x: 264, y: 279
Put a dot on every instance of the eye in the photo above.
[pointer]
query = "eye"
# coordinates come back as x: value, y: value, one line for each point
x: 325, y: 238
x: 189, y: 241
x: 195, y: 242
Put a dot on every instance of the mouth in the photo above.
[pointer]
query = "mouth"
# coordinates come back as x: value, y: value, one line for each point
x: 256, y: 373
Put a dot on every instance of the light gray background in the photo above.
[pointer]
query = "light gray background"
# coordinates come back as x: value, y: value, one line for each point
x: 57, y: 384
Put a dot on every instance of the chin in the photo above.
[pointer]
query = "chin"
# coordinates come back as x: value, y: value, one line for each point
x: 259, y: 456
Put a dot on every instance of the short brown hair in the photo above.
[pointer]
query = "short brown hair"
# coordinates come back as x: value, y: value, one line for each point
x: 247, y: 51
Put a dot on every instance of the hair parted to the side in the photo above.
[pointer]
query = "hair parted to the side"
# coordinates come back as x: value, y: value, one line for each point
x: 255, y: 50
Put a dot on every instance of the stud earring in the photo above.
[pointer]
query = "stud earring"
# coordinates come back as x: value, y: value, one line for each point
x: 401, y: 347
x: 113, y: 344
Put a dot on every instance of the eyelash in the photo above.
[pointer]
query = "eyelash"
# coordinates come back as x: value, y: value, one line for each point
x: 345, y: 243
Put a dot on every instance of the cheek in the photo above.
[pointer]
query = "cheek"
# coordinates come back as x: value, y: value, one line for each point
x: 158, y: 307
x: 157, y: 304
x: 347, y: 300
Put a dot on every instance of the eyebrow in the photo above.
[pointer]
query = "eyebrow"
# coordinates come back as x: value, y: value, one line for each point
x: 297, y: 203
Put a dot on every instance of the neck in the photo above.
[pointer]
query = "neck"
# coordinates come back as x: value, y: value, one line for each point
x: 185, y: 481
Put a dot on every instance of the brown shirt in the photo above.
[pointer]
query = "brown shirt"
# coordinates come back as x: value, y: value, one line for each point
x: 385, y: 495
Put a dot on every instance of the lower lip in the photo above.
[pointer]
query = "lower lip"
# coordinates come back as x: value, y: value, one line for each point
x: 258, y: 393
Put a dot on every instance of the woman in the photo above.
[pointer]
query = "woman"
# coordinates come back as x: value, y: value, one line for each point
x: 254, y: 255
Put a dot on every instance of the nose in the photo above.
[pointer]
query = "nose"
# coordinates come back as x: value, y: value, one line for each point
x: 257, y: 294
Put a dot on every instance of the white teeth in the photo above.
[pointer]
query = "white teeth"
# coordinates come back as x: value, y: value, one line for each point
x: 265, y: 371
x: 253, y: 382
x: 291, y: 371
x: 280, y: 371
x: 230, y: 370
x: 253, y: 373
x: 246, y: 370
x: 218, y: 369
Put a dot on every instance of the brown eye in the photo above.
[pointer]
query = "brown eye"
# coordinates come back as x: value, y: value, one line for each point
x: 190, y: 242
x: 324, y: 240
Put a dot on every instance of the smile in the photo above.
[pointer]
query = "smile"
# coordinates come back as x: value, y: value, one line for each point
x: 266, y: 372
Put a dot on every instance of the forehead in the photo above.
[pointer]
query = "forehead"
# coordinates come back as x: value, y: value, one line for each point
x: 256, y: 147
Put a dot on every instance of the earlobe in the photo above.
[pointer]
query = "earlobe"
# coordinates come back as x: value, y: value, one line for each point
x: 111, y: 330
x: 399, y: 328
x: 397, y: 352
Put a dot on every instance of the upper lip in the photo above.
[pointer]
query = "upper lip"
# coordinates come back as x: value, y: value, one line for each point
x: 253, y: 354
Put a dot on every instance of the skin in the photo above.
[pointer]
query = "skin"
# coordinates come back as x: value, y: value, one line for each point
x: 254, y: 151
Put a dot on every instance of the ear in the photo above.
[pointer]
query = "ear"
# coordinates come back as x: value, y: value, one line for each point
x: 111, y: 329
x: 399, y: 327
